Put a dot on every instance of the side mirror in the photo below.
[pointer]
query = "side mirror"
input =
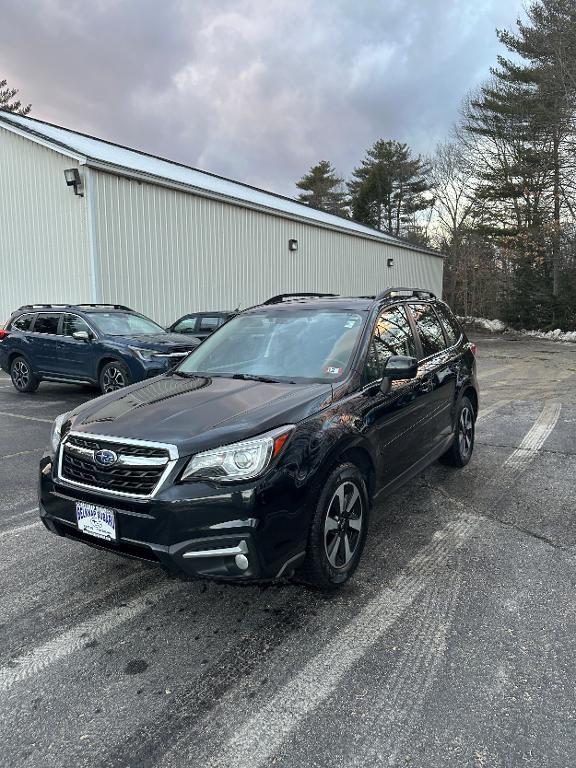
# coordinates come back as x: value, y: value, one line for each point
x: 398, y: 367
x: 81, y: 336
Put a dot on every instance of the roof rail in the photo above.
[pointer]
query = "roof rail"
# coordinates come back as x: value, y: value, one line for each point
x: 112, y: 306
x: 67, y: 306
x: 283, y: 296
x: 420, y: 293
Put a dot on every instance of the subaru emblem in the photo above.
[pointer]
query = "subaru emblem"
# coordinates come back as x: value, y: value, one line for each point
x: 105, y: 457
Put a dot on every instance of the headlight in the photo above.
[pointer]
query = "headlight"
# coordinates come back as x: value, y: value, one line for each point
x: 146, y: 355
x: 56, y: 435
x: 238, y: 461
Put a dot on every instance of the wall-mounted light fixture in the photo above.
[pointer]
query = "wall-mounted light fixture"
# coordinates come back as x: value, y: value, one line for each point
x: 292, y: 245
x: 72, y: 176
x: 390, y: 262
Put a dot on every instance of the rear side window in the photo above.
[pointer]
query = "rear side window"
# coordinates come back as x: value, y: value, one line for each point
x: 429, y: 329
x: 210, y: 323
x: 22, y: 323
x: 392, y: 336
x: 46, y: 323
x: 453, y: 331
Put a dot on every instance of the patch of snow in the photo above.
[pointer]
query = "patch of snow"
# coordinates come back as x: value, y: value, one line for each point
x: 497, y: 326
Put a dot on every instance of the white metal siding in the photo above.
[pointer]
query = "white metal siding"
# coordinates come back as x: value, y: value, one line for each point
x: 166, y: 252
x: 43, y: 233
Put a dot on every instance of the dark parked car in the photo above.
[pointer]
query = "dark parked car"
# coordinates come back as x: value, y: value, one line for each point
x: 261, y: 453
x: 200, y: 324
x: 100, y: 344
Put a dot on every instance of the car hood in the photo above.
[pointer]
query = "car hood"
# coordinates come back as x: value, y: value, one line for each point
x: 161, y: 342
x: 199, y: 413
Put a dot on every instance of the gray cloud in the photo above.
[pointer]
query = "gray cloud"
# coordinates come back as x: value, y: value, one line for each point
x: 257, y: 90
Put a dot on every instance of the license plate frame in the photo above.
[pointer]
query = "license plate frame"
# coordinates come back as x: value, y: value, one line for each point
x: 96, y: 521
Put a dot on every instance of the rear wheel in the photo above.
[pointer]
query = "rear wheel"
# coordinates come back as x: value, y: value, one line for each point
x: 22, y: 377
x: 114, y: 375
x: 460, y: 451
x: 338, y: 529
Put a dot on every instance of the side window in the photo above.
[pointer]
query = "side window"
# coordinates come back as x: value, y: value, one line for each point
x: 392, y: 336
x: 22, y: 323
x: 188, y: 325
x: 46, y: 323
x: 210, y: 323
x: 429, y: 329
x: 73, y: 324
x: 453, y: 331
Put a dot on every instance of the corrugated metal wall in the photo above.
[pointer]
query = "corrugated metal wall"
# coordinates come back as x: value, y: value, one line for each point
x: 44, y: 255
x: 166, y: 252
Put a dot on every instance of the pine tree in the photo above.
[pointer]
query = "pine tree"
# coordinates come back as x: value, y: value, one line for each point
x: 323, y: 189
x: 389, y: 189
x: 7, y: 102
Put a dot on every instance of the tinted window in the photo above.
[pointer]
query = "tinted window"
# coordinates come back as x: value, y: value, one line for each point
x: 451, y: 327
x: 46, y: 323
x: 73, y: 324
x: 188, y: 325
x: 22, y: 323
x: 429, y: 328
x: 289, y: 344
x: 210, y: 323
x: 392, y: 336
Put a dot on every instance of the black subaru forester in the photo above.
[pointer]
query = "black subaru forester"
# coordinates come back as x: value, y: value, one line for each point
x: 259, y: 456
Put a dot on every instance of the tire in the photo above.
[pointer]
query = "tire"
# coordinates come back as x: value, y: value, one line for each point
x: 460, y: 452
x: 335, y: 544
x: 113, y: 376
x: 22, y: 377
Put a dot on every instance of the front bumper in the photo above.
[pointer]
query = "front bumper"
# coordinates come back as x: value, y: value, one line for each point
x: 240, y: 532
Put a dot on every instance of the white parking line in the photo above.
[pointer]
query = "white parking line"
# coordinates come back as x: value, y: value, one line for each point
x: 36, y: 661
x: 535, y: 438
x: 21, y: 453
x: 19, y: 529
x: 28, y: 418
x: 19, y: 516
x: 256, y: 741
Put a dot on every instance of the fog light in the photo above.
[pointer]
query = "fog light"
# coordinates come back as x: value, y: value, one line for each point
x: 242, y: 562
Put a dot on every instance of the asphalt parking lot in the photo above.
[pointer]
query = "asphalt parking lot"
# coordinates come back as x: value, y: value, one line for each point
x: 454, y: 645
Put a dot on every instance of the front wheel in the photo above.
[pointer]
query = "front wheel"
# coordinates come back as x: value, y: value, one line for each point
x: 114, y: 375
x: 22, y: 377
x: 460, y: 452
x: 338, y: 529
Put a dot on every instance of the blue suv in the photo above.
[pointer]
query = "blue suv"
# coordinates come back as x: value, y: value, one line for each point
x: 107, y: 345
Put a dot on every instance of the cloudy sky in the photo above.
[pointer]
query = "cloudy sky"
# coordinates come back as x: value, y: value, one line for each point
x: 257, y: 90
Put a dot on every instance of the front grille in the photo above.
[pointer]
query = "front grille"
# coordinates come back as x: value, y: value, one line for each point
x: 137, y: 472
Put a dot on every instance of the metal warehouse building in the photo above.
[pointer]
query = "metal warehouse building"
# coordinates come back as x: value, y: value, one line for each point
x: 84, y: 220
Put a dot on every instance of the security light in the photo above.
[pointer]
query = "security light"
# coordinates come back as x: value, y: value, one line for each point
x: 390, y: 262
x: 72, y: 176
x: 292, y: 245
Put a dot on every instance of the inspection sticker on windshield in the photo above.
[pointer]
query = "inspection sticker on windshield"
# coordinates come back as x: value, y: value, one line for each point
x: 332, y: 370
x: 96, y: 521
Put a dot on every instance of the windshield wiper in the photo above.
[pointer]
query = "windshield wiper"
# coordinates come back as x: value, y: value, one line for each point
x: 254, y: 377
x: 184, y: 374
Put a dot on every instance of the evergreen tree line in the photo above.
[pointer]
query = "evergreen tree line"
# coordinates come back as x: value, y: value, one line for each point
x: 499, y: 198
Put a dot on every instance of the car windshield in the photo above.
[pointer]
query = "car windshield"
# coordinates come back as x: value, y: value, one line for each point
x: 124, y: 324
x: 281, y: 345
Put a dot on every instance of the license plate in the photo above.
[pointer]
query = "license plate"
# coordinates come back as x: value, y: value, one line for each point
x: 96, y: 521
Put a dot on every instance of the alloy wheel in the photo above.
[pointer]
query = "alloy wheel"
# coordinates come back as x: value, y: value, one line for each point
x: 343, y: 525
x: 20, y: 374
x: 465, y: 431
x: 113, y: 379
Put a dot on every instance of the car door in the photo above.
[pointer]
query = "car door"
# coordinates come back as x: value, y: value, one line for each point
x: 436, y: 375
x: 187, y: 325
x: 76, y: 358
x: 43, y: 342
x: 390, y: 417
